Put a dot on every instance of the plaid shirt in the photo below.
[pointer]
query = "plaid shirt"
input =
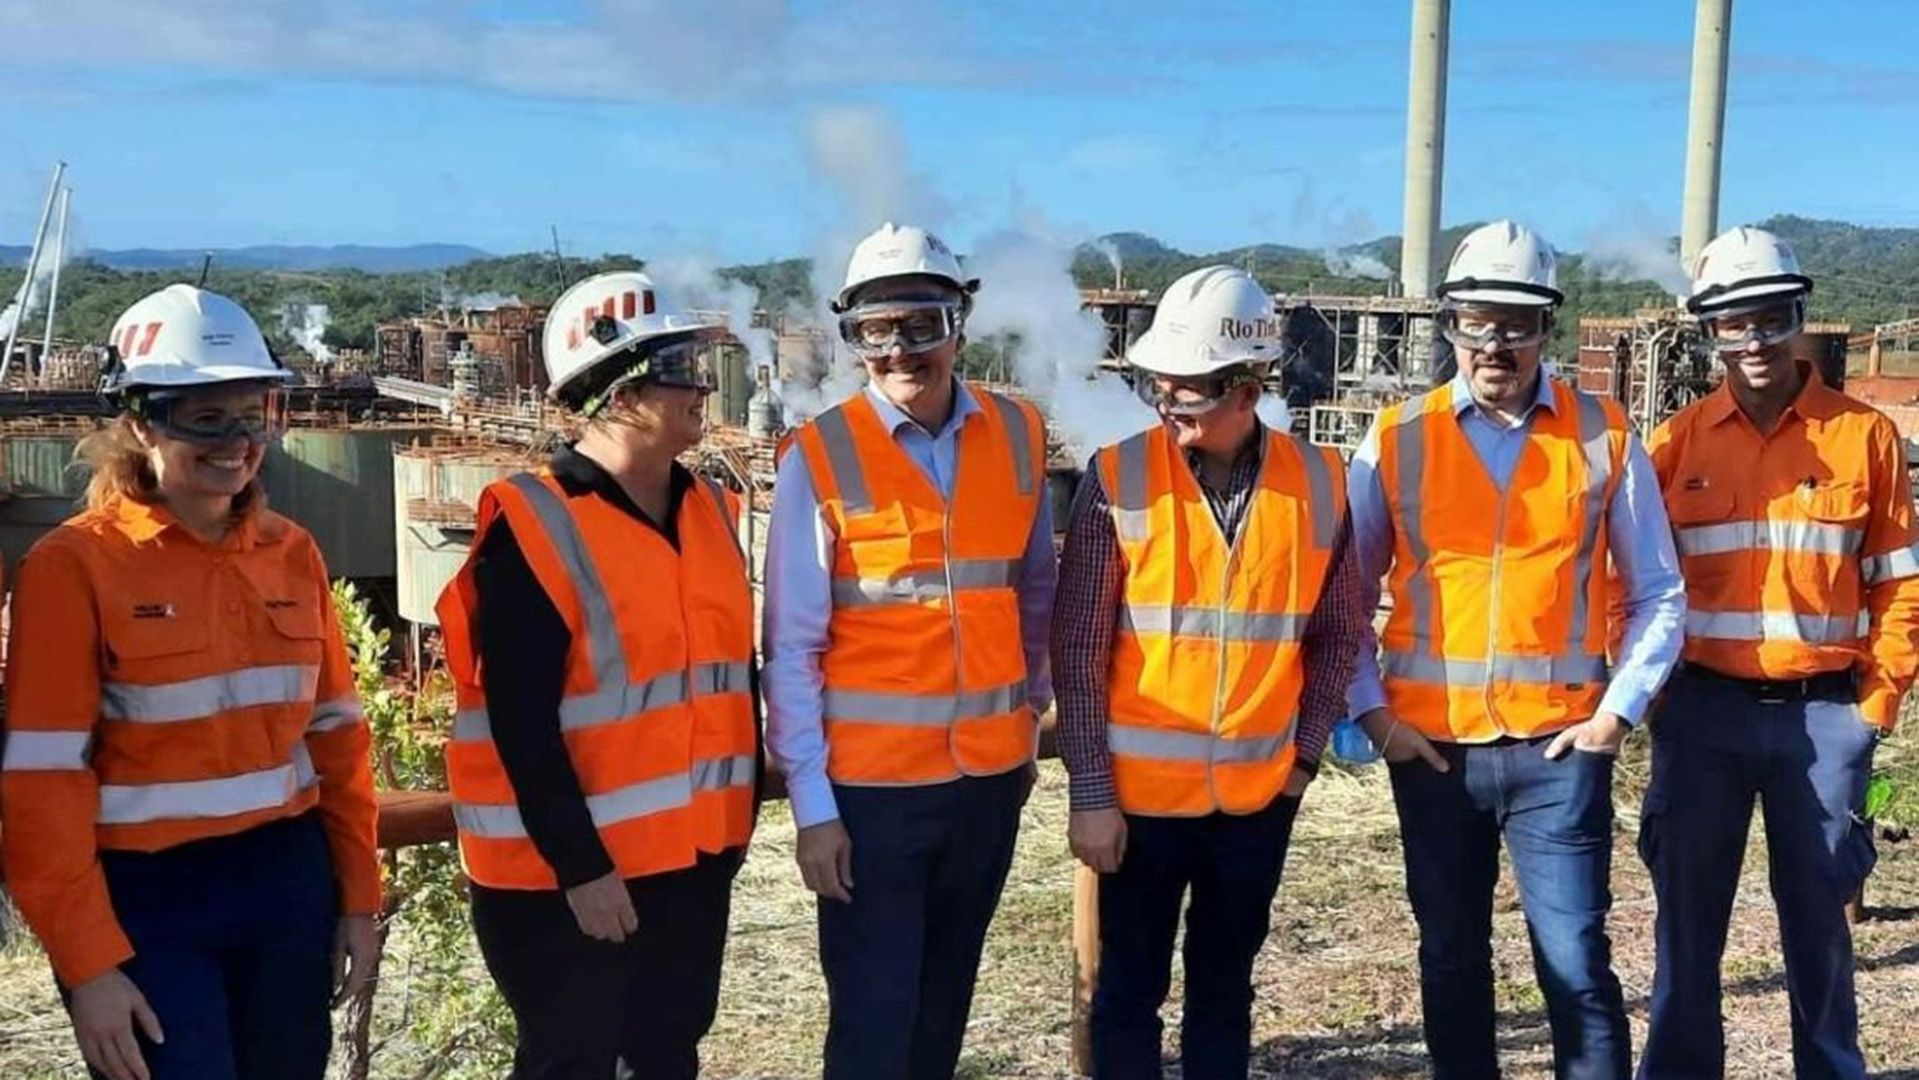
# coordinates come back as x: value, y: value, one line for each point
x: 1086, y: 609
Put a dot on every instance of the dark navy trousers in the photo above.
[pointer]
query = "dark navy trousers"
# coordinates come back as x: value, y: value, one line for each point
x: 1231, y: 865
x: 233, y: 944
x: 901, y: 958
x: 1555, y: 818
x: 1718, y: 749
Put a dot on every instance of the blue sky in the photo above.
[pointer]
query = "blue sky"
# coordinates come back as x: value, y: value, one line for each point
x: 748, y: 128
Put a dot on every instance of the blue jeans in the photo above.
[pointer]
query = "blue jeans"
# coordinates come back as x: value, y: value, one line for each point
x: 1717, y: 750
x: 1556, y: 817
x: 233, y: 942
x: 902, y: 956
x: 1232, y: 865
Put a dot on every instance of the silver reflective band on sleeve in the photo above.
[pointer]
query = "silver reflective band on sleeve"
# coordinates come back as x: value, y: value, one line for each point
x: 920, y: 710
x: 1505, y: 668
x: 930, y: 585
x: 1323, y: 512
x: 624, y: 701
x: 1895, y: 565
x: 197, y: 699
x: 1198, y: 622
x: 848, y: 477
x: 1127, y: 740
x: 135, y: 804
x: 337, y: 713
x: 1810, y: 537
x: 1778, y: 626
x: 1019, y: 436
x: 29, y: 751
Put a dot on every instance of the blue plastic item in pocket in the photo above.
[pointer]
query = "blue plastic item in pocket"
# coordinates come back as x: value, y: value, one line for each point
x: 1350, y: 744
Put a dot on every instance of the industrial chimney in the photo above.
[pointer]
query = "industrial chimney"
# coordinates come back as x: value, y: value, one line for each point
x: 1705, y: 128
x: 1425, y: 144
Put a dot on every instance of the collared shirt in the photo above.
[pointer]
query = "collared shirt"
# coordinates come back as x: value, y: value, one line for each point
x: 1087, y: 611
x: 799, y: 600
x: 1824, y: 436
x: 1637, y: 532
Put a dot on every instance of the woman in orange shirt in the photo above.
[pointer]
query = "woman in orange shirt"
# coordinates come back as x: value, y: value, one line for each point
x: 185, y: 778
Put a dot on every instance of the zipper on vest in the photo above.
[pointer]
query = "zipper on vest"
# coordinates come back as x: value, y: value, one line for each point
x: 952, y: 604
x: 1225, y: 597
x: 1492, y: 608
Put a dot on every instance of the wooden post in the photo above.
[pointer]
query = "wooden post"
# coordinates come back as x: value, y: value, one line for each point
x: 1856, y: 907
x: 1086, y: 964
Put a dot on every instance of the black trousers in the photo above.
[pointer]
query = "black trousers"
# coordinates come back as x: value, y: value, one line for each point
x: 583, y: 1005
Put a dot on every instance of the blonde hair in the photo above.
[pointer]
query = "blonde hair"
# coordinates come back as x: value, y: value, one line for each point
x: 122, y: 468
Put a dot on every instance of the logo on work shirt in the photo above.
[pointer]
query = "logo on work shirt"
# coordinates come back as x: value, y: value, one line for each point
x: 153, y: 611
x: 281, y: 605
x: 1696, y: 483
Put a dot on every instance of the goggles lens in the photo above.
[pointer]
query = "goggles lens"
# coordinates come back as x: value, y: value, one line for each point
x: 1762, y: 329
x: 915, y: 327
x: 683, y: 365
x: 1185, y: 397
x: 1488, y: 331
x: 215, y: 425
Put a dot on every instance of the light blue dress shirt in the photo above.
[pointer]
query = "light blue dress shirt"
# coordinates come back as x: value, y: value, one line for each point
x: 799, y: 602
x: 1637, y: 531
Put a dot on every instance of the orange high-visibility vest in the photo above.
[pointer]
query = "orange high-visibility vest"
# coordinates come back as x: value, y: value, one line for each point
x: 1788, y: 541
x: 1204, y: 683
x: 657, y: 713
x: 1500, y: 599
x: 925, y: 679
x: 166, y: 690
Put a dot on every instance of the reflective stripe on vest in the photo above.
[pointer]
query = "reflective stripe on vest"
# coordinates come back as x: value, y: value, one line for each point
x: 1807, y: 629
x: 338, y: 713
x: 133, y: 804
x: 196, y: 699
x: 920, y: 588
x: 1809, y: 537
x: 28, y: 751
x: 920, y: 710
x: 1212, y: 623
x: 1164, y: 745
x: 503, y: 822
x: 607, y: 705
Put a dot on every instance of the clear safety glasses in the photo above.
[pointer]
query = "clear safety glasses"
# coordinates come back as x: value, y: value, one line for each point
x: 913, y: 326
x: 1763, y: 327
x: 682, y: 365
x: 1488, y: 331
x: 196, y: 419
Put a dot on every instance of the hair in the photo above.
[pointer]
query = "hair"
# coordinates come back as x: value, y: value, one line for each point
x: 122, y: 468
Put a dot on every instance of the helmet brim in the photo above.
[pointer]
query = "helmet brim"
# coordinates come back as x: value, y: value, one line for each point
x: 1718, y: 299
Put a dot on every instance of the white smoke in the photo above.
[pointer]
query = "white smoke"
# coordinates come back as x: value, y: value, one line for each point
x: 859, y: 154
x: 488, y: 301
x: 32, y: 295
x: 1636, y: 255
x: 1111, y: 251
x: 1029, y: 305
x: 694, y: 281
x: 306, y: 324
x: 1357, y: 264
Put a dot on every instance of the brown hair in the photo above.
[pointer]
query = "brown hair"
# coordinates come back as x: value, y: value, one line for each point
x: 123, y: 468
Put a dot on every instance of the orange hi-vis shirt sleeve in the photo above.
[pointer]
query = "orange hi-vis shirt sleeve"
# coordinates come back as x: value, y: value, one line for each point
x: 165, y: 690
x: 1799, y: 547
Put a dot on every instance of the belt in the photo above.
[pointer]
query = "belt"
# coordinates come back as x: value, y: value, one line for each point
x: 1836, y: 686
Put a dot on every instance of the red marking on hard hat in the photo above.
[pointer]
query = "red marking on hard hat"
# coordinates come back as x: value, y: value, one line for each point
x: 649, y: 301
x: 126, y: 339
x: 606, y: 307
x: 146, y: 342
x: 572, y: 337
x: 629, y: 304
x: 587, y: 317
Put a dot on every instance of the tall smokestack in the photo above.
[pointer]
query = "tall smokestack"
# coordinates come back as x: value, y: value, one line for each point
x: 33, y: 265
x: 1425, y: 144
x: 1705, y: 127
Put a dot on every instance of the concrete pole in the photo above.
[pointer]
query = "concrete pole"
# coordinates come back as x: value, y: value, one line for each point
x: 1425, y: 144
x: 1705, y: 127
x: 53, y: 287
x: 33, y: 264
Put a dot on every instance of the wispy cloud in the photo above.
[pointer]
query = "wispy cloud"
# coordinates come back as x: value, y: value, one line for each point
x: 617, y: 50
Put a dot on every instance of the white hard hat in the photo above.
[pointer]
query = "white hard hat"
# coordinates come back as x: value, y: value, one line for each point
x: 1503, y: 263
x: 895, y: 251
x: 185, y: 336
x: 1741, y: 266
x: 1212, y: 318
x: 602, y: 316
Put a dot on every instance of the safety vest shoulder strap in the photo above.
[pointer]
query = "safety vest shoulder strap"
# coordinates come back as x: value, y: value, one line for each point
x: 1325, y: 482
x: 832, y: 453
x: 1026, y: 434
x: 1123, y: 470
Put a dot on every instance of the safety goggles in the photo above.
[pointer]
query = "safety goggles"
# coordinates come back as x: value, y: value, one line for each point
x: 1487, y: 332
x: 180, y: 416
x: 1762, y: 327
x: 913, y: 326
x: 1188, y: 397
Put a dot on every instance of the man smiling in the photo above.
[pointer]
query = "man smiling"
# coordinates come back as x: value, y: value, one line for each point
x: 909, y: 580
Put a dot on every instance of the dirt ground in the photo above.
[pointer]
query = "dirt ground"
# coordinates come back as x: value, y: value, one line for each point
x: 1338, y: 983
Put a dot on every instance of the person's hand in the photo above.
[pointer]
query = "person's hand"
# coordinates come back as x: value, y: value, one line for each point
x: 1296, y: 782
x: 825, y: 855
x: 1600, y: 735
x: 104, y: 1010
x: 1098, y: 838
x: 356, y: 955
x: 603, y: 908
x: 1399, y: 742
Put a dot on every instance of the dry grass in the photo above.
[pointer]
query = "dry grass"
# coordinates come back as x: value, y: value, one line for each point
x: 1338, y: 981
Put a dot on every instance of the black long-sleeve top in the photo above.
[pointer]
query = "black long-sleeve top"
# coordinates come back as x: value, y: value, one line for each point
x: 523, y: 643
